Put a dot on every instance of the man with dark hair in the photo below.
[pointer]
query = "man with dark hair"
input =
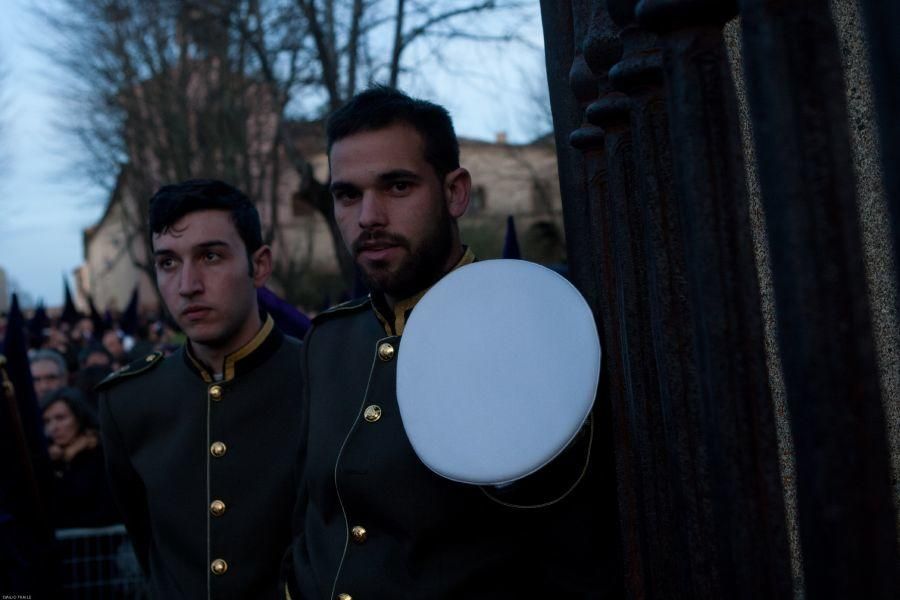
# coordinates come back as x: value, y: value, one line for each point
x: 371, y: 520
x: 196, y: 443
x: 380, y: 106
x: 171, y: 202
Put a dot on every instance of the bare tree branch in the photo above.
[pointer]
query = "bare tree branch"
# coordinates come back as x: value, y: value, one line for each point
x: 353, y: 46
x: 326, y: 55
x: 399, y: 43
x: 173, y: 88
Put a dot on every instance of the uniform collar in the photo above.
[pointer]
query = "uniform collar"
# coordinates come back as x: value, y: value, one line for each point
x: 244, y: 359
x: 394, y: 321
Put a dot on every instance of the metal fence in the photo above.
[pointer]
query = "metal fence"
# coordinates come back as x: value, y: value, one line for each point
x: 99, y: 563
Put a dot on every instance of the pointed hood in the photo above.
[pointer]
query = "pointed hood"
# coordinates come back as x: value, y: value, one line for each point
x: 288, y: 319
x: 511, y: 242
x: 69, y: 314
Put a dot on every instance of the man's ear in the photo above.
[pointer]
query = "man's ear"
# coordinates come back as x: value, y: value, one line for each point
x: 261, y: 261
x: 457, y: 186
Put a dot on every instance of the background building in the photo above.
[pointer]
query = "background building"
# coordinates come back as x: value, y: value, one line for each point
x: 508, y: 179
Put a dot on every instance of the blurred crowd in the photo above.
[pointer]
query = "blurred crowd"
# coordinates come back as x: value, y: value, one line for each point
x: 67, y: 359
x: 52, y: 472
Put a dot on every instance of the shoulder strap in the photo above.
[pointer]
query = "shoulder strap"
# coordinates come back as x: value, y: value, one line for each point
x: 130, y: 370
x: 349, y: 306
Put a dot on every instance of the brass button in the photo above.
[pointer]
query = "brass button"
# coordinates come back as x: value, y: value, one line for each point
x: 215, y: 392
x: 359, y: 534
x: 217, y: 508
x: 218, y: 449
x: 218, y: 567
x: 344, y: 597
x: 372, y: 413
x: 385, y: 351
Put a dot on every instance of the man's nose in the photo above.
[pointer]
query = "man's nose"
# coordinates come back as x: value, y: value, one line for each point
x: 371, y: 211
x: 190, y: 282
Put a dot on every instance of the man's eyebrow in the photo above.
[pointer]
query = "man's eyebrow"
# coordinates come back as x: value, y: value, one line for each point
x: 383, y: 178
x: 200, y: 246
x: 212, y: 244
x: 341, y: 186
x: 398, y: 174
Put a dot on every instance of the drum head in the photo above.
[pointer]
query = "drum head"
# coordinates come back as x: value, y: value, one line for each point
x: 497, y: 371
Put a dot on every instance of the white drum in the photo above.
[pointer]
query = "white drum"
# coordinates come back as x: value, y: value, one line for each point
x: 497, y: 371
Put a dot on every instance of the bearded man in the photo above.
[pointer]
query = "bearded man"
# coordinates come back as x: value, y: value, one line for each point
x: 372, y: 521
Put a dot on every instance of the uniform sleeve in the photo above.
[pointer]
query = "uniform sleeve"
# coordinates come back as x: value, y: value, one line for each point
x: 126, y: 485
x: 292, y: 562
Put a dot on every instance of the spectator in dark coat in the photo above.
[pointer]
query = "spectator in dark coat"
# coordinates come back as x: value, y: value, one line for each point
x: 81, y: 495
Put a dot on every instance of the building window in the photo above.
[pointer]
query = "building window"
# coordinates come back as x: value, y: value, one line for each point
x: 477, y: 200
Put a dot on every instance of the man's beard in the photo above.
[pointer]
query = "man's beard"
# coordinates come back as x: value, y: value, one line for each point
x: 421, y: 267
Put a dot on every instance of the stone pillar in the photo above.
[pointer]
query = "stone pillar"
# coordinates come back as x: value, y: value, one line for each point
x: 882, y: 19
x: 795, y: 92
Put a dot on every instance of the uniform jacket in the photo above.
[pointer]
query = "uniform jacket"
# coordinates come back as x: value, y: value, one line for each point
x: 202, y: 469
x: 372, y: 522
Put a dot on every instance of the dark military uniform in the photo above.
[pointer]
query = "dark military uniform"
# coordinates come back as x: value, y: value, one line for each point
x: 202, y: 468
x: 372, y: 522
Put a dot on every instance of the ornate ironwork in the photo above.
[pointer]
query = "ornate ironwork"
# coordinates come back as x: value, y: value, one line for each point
x: 663, y: 248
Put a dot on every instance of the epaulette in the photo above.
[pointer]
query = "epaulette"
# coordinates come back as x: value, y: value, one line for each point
x: 6, y: 385
x: 134, y: 368
x: 342, y: 308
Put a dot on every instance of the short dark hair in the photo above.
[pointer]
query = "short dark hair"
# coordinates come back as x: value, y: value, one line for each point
x: 74, y: 399
x: 381, y: 106
x: 171, y: 202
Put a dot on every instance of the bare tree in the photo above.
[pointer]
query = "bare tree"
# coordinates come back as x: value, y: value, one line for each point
x: 159, y: 97
x: 176, y: 87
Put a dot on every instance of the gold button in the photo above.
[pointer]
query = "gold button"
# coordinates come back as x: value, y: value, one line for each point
x: 218, y: 567
x: 385, y: 351
x: 217, y: 508
x: 215, y: 392
x: 372, y: 413
x: 359, y: 534
x: 217, y: 449
x: 344, y: 597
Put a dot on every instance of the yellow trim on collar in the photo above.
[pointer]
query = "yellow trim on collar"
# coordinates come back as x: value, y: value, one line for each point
x: 403, y: 307
x: 248, y: 348
x: 200, y: 367
x: 468, y: 258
